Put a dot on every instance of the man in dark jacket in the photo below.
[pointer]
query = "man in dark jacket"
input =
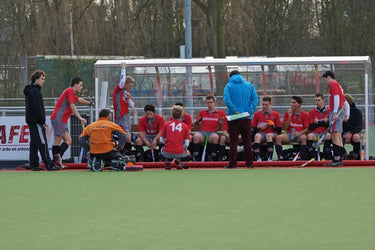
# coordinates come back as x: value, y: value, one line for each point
x: 352, y: 128
x: 36, y: 120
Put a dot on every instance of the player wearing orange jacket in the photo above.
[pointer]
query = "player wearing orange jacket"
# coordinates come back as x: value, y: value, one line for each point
x: 100, y: 135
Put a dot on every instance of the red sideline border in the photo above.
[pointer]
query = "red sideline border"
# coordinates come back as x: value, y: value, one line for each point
x: 221, y: 164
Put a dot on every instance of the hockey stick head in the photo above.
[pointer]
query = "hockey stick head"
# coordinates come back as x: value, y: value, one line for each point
x: 306, y: 163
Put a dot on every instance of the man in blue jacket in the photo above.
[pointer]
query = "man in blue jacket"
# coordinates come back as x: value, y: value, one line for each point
x: 240, y: 96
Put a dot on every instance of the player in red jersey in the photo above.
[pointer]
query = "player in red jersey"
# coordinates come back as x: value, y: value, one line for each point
x: 65, y: 106
x: 296, y: 123
x: 337, y: 101
x: 210, y: 120
x: 149, y: 128
x: 175, y: 135
x: 266, y: 125
x: 318, y: 123
x: 123, y: 102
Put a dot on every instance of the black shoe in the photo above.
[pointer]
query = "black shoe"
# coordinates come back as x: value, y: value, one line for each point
x: 180, y: 166
x: 37, y: 169
x: 334, y: 164
x: 53, y: 168
x: 26, y: 166
x: 229, y: 166
x: 251, y: 166
x: 167, y: 165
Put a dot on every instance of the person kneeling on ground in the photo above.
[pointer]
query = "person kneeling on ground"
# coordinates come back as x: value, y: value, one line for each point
x: 102, y: 148
x: 175, y: 135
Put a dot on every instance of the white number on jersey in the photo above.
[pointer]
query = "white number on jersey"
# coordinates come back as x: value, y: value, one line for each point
x: 174, y: 127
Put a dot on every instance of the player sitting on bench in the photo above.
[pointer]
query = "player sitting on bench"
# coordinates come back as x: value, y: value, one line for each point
x: 352, y: 129
x: 266, y: 125
x: 318, y: 124
x: 296, y: 122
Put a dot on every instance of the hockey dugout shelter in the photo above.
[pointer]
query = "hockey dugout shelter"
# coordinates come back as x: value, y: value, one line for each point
x: 163, y: 82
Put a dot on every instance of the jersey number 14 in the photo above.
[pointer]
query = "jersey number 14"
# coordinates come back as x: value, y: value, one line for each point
x: 174, y: 127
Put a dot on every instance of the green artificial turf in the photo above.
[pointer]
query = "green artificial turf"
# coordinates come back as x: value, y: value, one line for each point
x: 189, y: 209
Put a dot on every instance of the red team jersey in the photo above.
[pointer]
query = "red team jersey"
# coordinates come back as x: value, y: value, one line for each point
x: 261, y: 117
x: 151, y: 127
x: 335, y: 89
x: 62, y: 111
x: 210, y: 121
x: 186, y: 118
x: 299, y: 121
x: 120, y: 105
x: 175, y: 132
x: 315, y: 112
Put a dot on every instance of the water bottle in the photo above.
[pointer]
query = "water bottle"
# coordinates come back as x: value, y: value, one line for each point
x: 292, y: 134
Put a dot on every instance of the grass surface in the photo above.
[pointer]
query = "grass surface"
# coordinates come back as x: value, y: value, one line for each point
x: 190, y: 209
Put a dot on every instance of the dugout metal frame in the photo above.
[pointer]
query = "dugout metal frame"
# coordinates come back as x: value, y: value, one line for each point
x: 362, y: 61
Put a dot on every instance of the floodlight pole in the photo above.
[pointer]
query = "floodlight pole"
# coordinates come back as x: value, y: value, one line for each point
x: 188, y: 55
x: 71, y: 30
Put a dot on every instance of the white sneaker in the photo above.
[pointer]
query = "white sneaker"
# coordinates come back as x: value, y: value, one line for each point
x: 259, y: 159
x: 58, y: 161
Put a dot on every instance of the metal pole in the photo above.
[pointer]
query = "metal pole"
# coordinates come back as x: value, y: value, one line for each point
x: 264, y: 81
x: 367, y: 129
x: 188, y: 43
x: 317, y: 86
x: 188, y: 53
x: 26, y: 75
x: 71, y: 30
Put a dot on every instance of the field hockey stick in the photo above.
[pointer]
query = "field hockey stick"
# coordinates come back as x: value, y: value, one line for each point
x: 205, y: 148
x: 363, y: 146
x: 306, y: 163
x: 296, y: 157
x: 153, y: 155
x: 82, y: 150
x: 318, y: 151
x: 326, y: 132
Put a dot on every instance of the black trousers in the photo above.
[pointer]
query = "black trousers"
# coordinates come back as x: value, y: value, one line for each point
x: 109, y: 156
x: 235, y: 128
x: 38, y: 143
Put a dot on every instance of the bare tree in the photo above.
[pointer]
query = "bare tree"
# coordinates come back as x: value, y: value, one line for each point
x: 155, y: 28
